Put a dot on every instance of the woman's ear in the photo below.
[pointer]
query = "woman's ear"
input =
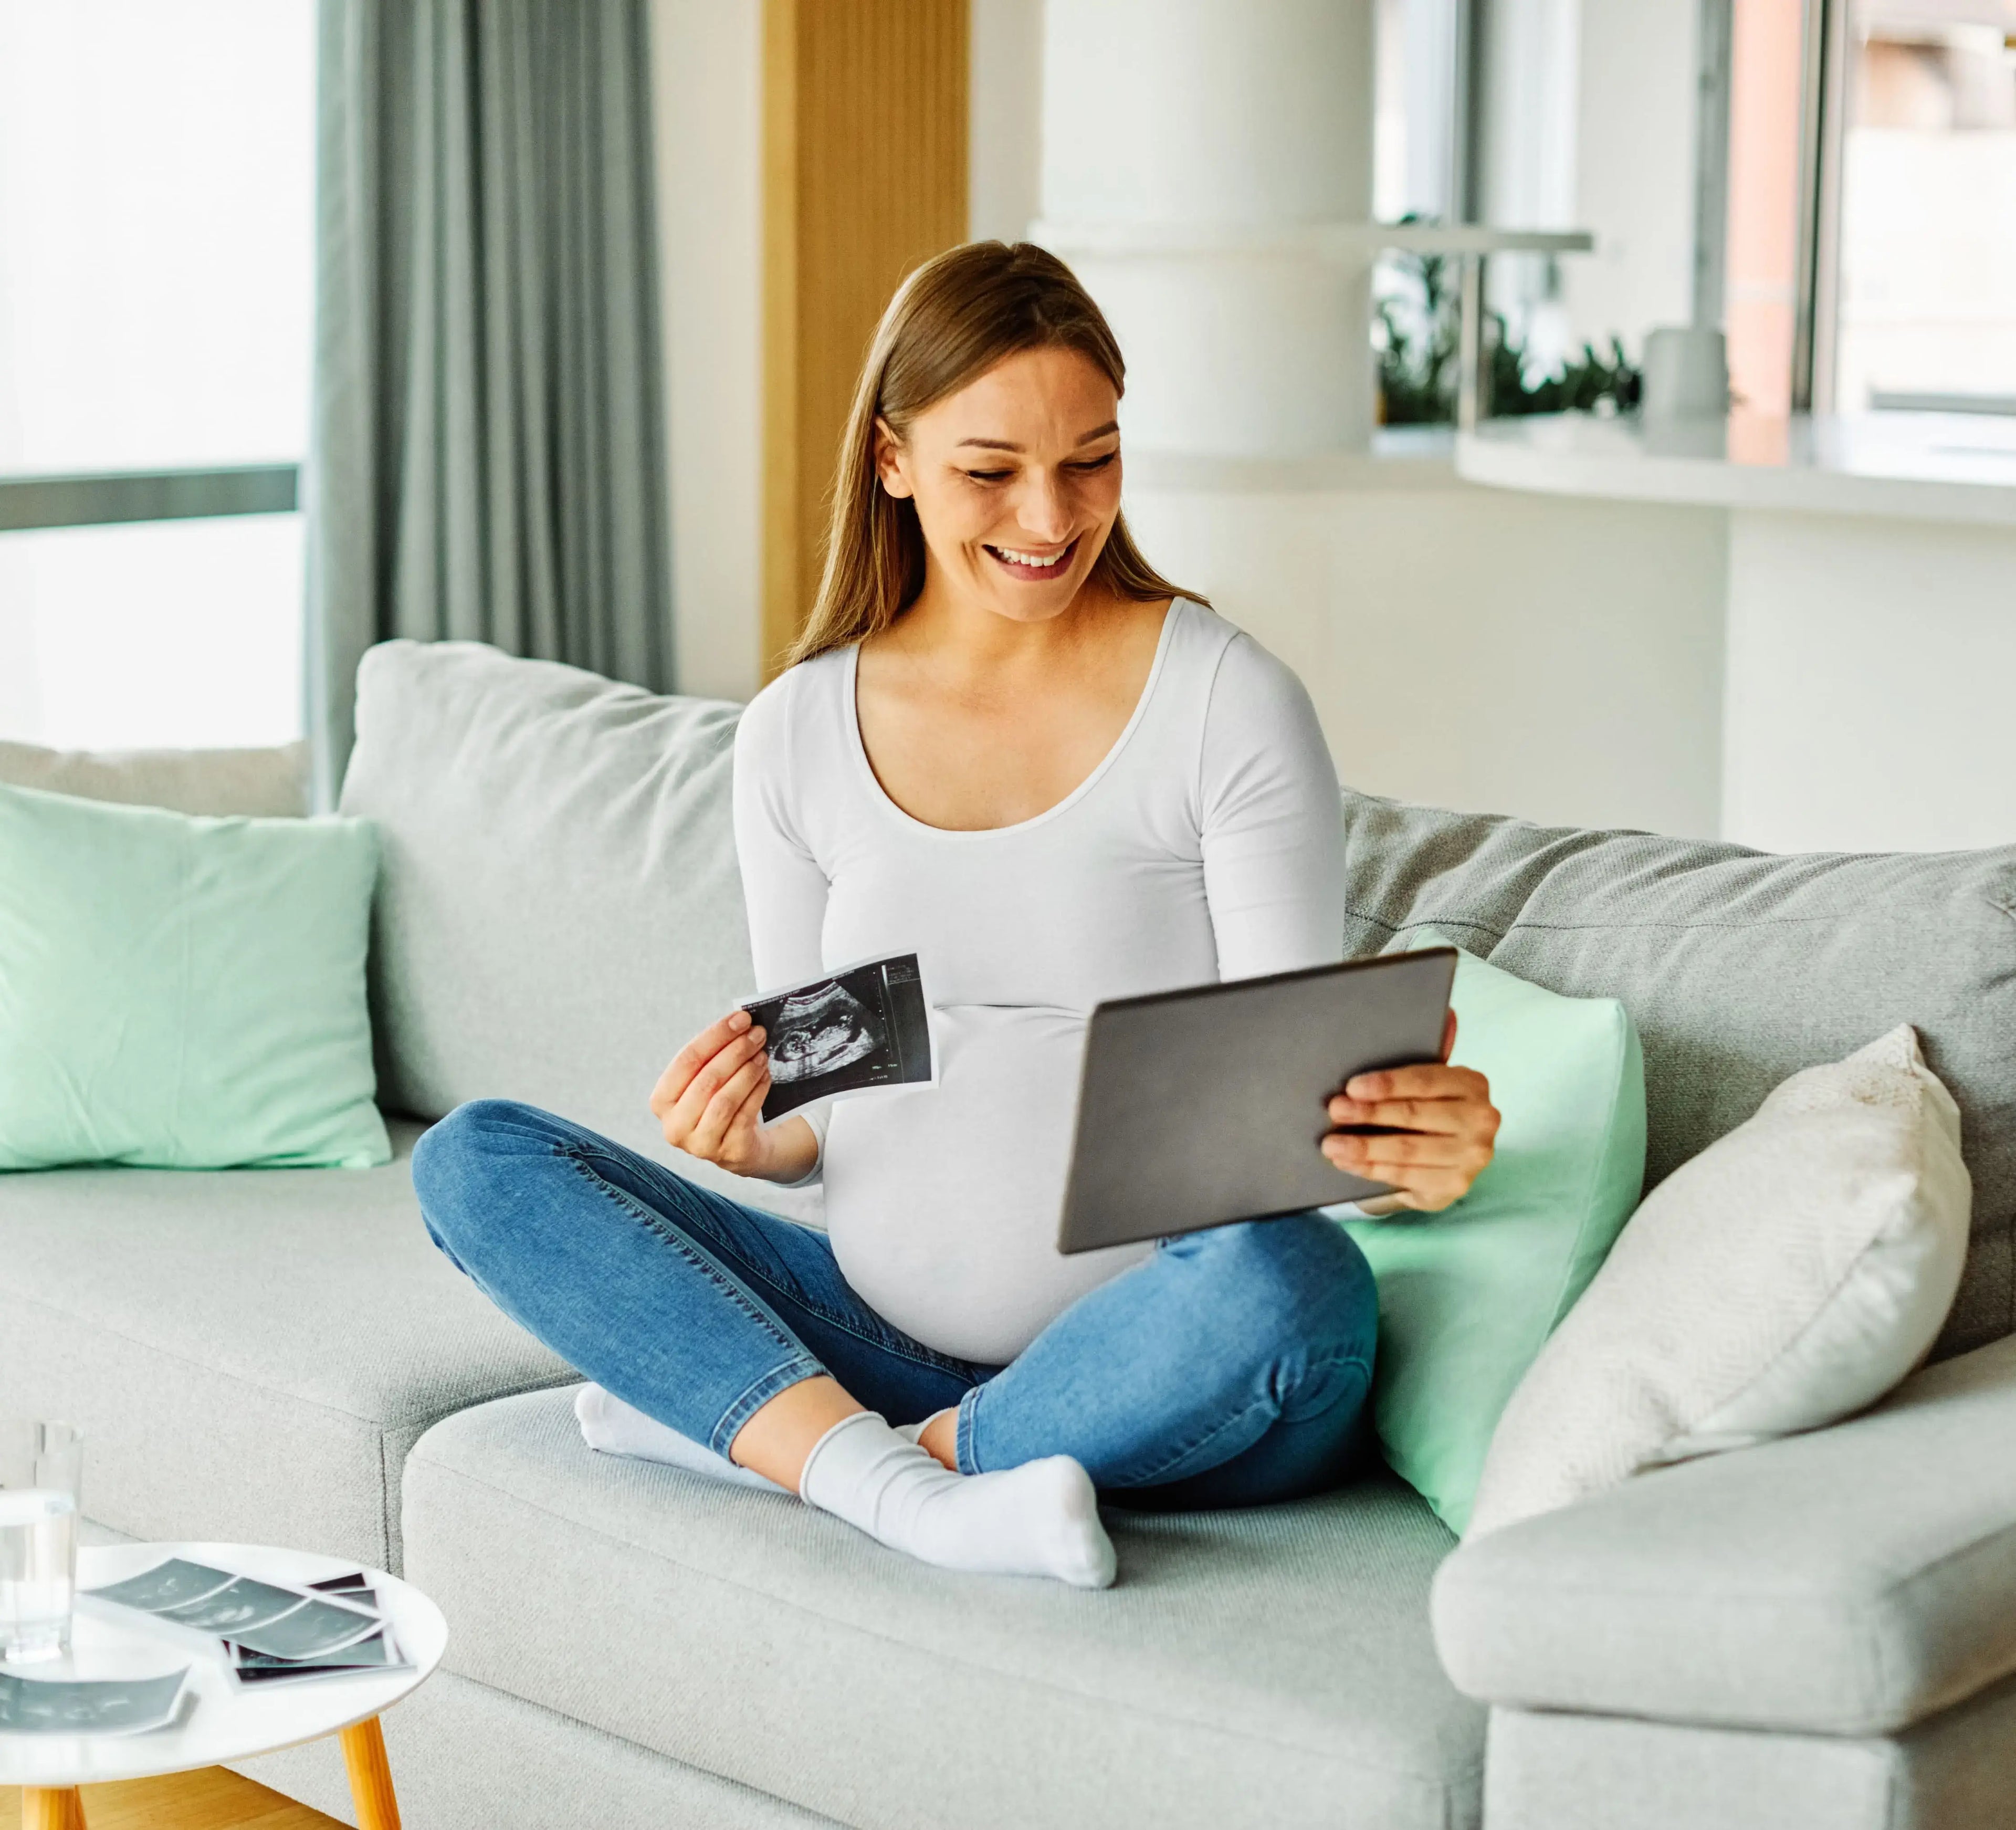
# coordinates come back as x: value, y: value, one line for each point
x: 891, y: 466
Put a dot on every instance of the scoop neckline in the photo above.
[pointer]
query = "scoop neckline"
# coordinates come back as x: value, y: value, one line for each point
x: 858, y: 747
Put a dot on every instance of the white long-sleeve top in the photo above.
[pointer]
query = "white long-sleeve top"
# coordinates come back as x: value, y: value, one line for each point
x: 1207, y: 844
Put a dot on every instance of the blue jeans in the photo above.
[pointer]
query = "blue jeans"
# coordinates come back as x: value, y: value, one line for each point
x: 1228, y: 1369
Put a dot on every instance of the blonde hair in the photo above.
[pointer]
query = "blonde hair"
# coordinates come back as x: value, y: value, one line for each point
x: 950, y: 322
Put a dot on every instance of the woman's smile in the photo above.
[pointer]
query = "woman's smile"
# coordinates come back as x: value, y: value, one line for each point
x: 1032, y: 564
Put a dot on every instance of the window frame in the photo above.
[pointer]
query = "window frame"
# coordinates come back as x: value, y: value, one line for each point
x: 105, y: 498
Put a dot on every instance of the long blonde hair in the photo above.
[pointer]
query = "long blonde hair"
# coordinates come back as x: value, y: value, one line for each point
x: 950, y: 322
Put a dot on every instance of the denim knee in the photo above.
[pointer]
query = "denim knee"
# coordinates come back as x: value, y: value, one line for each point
x: 455, y: 1154
x: 1299, y: 1282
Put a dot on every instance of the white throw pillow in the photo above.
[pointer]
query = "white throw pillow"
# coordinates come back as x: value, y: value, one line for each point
x: 1788, y: 1276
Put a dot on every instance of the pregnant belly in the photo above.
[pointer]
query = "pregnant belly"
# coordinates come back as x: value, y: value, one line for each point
x: 942, y: 1201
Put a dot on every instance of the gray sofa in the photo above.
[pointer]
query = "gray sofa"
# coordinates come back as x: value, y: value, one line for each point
x: 1821, y: 1632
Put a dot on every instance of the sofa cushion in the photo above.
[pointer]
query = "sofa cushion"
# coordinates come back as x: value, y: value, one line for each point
x: 249, y: 1352
x: 1785, y: 1278
x: 1270, y: 1666
x: 183, y: 992
x: 1740, y: 968
x: 261, y: 782
x: 559, y: 908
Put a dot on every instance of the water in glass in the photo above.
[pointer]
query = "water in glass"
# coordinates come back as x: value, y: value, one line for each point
x: 39, y: 1465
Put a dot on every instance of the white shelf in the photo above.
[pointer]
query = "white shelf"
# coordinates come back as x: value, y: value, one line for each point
x: 1310, y: 238
x: 1918, y: 466
x: 1402, y: 457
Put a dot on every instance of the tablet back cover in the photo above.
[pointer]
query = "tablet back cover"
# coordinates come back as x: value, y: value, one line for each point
x: 1198, y: 1108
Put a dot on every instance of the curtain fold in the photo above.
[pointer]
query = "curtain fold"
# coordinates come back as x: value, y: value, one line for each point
x: 487, y: 456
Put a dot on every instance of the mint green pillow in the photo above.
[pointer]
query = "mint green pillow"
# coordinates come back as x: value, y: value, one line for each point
x: 180, y: 991
x: 1468, y: 1297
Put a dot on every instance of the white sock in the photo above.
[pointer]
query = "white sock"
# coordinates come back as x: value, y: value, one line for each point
x: 1039, y: 1519
x: 617, y: 1428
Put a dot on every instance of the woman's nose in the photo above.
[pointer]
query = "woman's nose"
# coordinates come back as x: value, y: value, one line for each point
x: 1042, y: 510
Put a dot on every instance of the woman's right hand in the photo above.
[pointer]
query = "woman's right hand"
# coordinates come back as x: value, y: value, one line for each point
x: 709, y: 1102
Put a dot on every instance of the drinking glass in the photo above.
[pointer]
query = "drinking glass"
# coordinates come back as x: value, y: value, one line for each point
x: 40, y: 1469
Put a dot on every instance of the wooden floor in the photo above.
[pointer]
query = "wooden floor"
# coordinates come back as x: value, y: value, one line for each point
x: 210, y: 1800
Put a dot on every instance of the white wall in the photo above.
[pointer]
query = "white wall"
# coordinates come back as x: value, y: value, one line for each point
x: 1479, y: 649
x: 707, y: 56
x: 1870, y: 662
x: 1005, y: 134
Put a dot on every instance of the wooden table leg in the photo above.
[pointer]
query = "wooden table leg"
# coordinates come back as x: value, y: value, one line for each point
x: 370, y: 1777
x: 43, y: 1808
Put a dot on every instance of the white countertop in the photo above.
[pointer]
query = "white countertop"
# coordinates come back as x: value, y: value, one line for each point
x: 1919, y: 466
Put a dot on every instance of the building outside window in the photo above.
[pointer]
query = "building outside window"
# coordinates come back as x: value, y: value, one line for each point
x: 157, y: 204
x: 1927, y: 302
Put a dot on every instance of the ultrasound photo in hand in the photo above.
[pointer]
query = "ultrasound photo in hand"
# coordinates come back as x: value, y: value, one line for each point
x: 863, y: 1026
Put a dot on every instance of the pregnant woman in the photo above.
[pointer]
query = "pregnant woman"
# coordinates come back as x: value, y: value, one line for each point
x: 1004, y: 743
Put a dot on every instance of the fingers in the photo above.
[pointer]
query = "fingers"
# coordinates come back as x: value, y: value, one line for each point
x: 1448, y: 1035
x: 688, y: 1061
x: 1405, y: 1149
x: 682, y: 1118
x: 1447, y: 1117
x: 1426, y: 1174
x: 1425, y: 1080
x: 728, y: 1109
x: 1443, y: 1130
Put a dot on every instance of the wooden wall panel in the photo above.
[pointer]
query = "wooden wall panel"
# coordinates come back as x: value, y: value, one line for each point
x: 865, y: 175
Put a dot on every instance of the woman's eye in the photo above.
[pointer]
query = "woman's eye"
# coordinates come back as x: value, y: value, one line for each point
x: 990, y: 476
x: 1097, y: 464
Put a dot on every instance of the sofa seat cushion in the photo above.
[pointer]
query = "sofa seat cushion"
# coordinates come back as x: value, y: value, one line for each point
x: 251, y: 1353
x: 1265, y: 1667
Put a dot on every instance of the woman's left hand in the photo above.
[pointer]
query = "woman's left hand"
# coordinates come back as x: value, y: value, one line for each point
x: 1445, y: 1127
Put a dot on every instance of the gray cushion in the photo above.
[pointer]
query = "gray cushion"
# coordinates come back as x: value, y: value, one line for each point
x: 1853, y: 1581
x: 1739, y: 968
x: 1266, y: 1667
x: 250, y: 1352
x: 272, y: 782
x: 559, y: 909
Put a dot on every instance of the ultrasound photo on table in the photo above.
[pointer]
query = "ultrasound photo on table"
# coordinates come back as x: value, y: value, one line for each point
x: 864, y: 1026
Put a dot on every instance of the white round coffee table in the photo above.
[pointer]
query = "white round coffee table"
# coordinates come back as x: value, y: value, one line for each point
x: 226, y: 1722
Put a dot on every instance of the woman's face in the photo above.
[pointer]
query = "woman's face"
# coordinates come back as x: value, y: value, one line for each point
x: 1016, y: 481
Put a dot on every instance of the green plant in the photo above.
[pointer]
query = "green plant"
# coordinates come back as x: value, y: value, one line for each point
x: 1417, y: 340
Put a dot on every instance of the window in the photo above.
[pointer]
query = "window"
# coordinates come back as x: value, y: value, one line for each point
x: 1926, y: 315
x: 156, y: 201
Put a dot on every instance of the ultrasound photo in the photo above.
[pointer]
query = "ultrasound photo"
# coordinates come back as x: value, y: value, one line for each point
x: 241, y: 1604
x: 127, y: 1706
x: 173, y: 1584
x: 309, y: 1632
x: 866, y: 1026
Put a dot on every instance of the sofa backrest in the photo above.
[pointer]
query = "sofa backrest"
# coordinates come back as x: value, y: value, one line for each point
x: 270, y: 783
x: 1740, y: 968
x: 558, y: 908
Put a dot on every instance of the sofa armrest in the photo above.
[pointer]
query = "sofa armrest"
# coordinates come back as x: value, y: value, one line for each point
x: 1850, y: 1582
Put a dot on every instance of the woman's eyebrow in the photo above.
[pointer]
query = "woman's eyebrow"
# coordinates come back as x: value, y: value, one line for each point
x: 1111, y: 426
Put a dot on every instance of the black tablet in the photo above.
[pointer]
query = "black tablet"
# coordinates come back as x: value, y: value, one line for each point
x: 1200, y: 1107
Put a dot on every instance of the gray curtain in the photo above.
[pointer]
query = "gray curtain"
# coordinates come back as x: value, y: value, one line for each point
x: 488, y: 454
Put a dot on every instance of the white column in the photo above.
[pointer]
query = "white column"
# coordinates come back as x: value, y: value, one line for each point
x: 1193, y: 153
